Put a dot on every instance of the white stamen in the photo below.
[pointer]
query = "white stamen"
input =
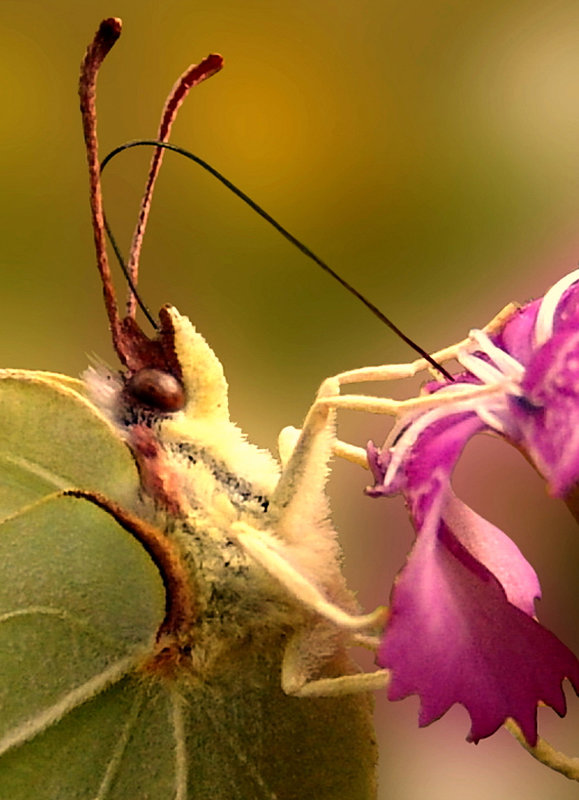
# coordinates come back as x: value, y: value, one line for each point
x: 481, y: 369
x: 411, y: 434
x: 501, y: 378
x: 505, y: 362
x: 546, y: 316
x: 488, y: 416
x: 489, y: 375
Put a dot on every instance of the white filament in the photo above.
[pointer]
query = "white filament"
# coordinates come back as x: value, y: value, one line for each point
x: 548, y: 307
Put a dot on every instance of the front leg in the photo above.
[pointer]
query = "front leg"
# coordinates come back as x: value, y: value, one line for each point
x: 306, y: 651
x: 305, y: 456
x: 392, y: 372
x: 276, y: 559
x: 329, y: 396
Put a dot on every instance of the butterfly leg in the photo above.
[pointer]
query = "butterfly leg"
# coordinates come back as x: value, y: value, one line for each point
x: 307, y: 650
x: 299, y: 547
x: 289, y: 436
x: 312, y: 646
x: 270, y: 554
x: 301, y: 553
x: 329, y: 393
x: 391, y: 372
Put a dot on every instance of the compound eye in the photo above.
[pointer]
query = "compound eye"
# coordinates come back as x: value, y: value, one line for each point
x: 156, y: 389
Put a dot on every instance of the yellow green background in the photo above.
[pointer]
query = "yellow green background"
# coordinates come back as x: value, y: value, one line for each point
x: 428, y: 150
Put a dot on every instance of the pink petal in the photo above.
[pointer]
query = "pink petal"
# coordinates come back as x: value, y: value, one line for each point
x: 499, y: 554
x: 453, y: 637
x: 548, y: 423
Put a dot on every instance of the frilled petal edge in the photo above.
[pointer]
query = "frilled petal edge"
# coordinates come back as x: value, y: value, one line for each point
x: 453, y: 637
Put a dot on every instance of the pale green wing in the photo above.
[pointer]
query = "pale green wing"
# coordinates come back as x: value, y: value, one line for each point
x: 76, y: 384
x: 256, y: 743
x: 80, y: 605
x: 52, y: 437
x: 235, y: 737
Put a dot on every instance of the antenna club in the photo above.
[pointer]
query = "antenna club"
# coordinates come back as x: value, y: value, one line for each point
x: 104, y: 39
x: 193, y: 75
x: 200, y: 72
x: 108, y: 33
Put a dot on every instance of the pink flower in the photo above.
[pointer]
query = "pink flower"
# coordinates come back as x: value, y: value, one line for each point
x: 462, y: 625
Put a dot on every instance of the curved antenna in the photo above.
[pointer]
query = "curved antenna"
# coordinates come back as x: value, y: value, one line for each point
x: 104, y: 39
x: 287, y: 235
x: 132, y: 346
x: 193, y: 75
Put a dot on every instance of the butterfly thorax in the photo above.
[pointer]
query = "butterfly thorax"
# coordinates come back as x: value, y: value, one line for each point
x: 200, y: 475
x: 235, y: 600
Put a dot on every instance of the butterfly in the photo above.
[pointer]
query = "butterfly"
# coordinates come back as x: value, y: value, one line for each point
x: 174, y: 620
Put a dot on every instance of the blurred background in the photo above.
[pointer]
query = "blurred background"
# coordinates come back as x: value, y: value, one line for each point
x: 428, y: 150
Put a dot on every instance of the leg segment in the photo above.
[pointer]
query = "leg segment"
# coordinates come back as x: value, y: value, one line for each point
x: 297, y: 668
x: 270, y: 555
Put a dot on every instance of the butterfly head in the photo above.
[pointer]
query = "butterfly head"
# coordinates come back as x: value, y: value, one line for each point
x: 160, y: 375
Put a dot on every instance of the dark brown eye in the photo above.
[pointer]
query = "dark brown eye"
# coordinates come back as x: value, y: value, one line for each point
x: 156, y: 389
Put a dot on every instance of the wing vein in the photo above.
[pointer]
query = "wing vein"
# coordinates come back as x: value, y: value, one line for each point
x: 63, y: 615
x: 36, y: 725
x: 178, y: 722
x: 33, y: 468
x: 114, y: 763
x: 223, y: 733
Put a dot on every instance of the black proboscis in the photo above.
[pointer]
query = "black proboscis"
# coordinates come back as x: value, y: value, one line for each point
x: 284, y: 232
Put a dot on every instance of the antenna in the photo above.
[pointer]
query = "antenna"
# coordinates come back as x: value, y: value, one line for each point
x: 130, y: 343
x: 125, y: 333
x: 193, y: 75
x: 106, y: 36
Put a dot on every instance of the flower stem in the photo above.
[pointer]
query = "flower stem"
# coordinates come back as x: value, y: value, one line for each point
x: 546, y: 754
